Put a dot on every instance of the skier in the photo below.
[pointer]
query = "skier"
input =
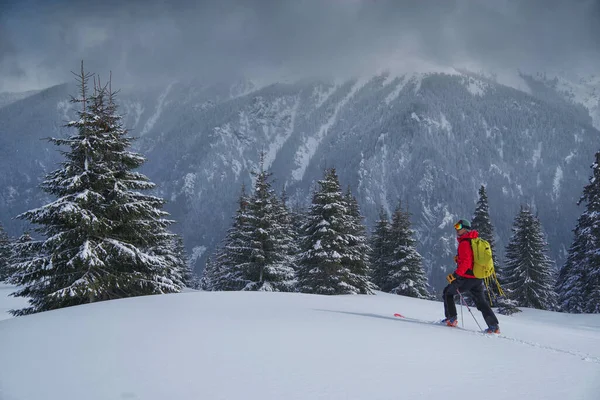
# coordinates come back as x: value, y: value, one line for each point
x: 462, y: 280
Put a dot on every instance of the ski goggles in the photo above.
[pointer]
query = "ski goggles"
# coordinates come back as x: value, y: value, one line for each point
x: 458, y: 226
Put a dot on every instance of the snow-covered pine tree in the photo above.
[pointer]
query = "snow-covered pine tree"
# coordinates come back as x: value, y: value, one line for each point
x: 174, y: 252
x: 5, y: 251
x: 292, y: 220
x: 298, y: 215
x: 380, y: 251
x: 324, y: 244
x: 270, y: 265
x: 358, y: 245
x: 209, y: 276
x: 482, y: 223
x: 292, y: 217
x: 189, y: 277
x: 578, y: 283
x: 572, y: 276
x: 23, y: 250
x: 406, y: 275
x: 102, y: 233
x: 528, y: 270
x: 224, y: 272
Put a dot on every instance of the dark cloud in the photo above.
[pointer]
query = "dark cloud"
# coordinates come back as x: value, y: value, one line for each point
x: 154, y: 40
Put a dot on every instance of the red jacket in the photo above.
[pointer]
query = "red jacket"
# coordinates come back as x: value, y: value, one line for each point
x: 464, y: 256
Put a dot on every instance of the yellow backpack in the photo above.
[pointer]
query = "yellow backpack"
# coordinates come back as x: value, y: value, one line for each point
x: 483, y: 263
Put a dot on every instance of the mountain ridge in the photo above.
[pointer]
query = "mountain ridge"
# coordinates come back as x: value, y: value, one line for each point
x: 428, y: 139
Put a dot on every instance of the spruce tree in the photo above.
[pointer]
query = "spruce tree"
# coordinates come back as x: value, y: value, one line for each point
x: 329, y: 245
x: 482, y: 223
x: 224, y: 272
x: 528, y: 269
x: 257, y: 253
x: 405, y: 275
x: 22, y: 250
x: 358, y: 245
x: 380, y: 251
x: 270, y: 265
x: 291, y: 220
x: 210, y: 274
x: 298, y: 216
x: 104, y: 238
x: 175, y: 252
x: 578, y: 283
x: 5, y: 251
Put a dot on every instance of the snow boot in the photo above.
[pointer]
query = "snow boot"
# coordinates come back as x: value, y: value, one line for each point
x: 450, y: 321
x: 492, y: 329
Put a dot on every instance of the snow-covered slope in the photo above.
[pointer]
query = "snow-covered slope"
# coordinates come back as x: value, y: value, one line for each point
x: 584, y: 91
x: 249, y: 345
x: 580, y: 90
x: 7, y: 98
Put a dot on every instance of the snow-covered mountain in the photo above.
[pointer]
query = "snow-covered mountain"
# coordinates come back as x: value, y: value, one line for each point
x: 258, y: 345
x: 11, y: 97
x: 427, y: 139
x: 582, y: 91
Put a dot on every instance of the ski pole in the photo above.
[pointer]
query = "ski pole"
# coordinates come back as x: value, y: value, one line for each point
x: 462, y: 319
x: 468, y: 308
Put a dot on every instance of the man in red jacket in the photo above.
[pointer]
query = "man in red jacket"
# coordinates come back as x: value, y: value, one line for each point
x: 463, y: 280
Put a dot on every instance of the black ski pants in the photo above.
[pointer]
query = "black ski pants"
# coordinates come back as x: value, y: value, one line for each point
x: 474, y: 287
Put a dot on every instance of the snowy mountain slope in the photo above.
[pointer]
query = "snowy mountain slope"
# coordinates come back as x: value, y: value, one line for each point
x: 429, y: 140
x: 232, y: 345
x: 7, y: 98
x: 582, y: 91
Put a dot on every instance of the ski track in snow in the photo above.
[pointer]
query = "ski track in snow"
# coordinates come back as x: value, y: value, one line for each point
x: 582, y: 356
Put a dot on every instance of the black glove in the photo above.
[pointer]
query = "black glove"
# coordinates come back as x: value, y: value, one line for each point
x: 451, y: 277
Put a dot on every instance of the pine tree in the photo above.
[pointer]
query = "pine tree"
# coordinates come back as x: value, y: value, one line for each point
x: 224, y: 272
x: 406, y: 275
x: 258, y: 251
x: 528, y: 270
x: 298, y: 216
x: 578, y: 282
x: 174, y: 250
x: 482, y: 223
x: 270, y: 265
x: 104, y: 238
x: 358, y: 245
x: 5, y: 250
x: 380, y: 252
x: 291, y: 221
x: 23, y: 250
x: 211, y: 272
x: 329, y: 245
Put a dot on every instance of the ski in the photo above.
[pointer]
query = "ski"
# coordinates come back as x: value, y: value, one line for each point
x: 439, y: 323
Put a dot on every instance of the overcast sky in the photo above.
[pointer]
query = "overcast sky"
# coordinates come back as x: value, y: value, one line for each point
x: 147, y: 41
